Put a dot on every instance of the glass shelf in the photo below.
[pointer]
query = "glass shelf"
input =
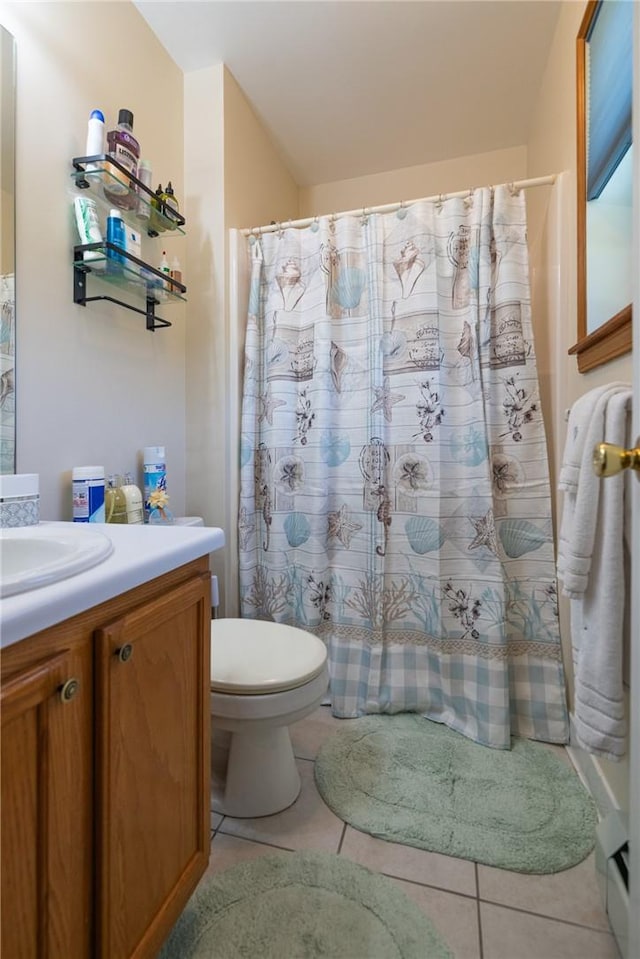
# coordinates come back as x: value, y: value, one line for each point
x: 142, y: 207
x: 127, y: 273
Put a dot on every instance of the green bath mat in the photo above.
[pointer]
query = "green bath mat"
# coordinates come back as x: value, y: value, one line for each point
x: 409, y: 780
x: 301, y: 905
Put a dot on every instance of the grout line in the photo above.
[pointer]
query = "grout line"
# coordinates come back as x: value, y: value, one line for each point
x: 543, y: 915
x: 342, y: 835
x: 260, y: 842
x: 480, y: 943
x: 423, y: 885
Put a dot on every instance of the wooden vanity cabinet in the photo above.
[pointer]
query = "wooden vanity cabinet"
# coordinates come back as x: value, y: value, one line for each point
x: 105, y: 781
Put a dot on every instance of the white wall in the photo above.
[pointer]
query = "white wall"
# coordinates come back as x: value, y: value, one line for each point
x: 411, y: 183
x: 553, y: 245
x: 234, y: 179
x: 93, y: 386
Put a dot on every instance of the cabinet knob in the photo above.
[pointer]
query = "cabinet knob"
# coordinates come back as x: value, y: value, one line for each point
x: 125, y: 652
x: 68, y: 690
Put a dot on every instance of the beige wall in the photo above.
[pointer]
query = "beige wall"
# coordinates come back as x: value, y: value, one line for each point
x: 411, y: 183
x: 93, y: 386
x: 235, y: 179
x: 552, y: 235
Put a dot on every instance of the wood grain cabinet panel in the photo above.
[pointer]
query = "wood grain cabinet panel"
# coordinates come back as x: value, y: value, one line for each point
x: 105, y: 797
x: 46, y: 809
x: 152, y: 760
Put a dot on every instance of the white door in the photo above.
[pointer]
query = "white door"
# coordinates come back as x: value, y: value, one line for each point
x: 634, y: 799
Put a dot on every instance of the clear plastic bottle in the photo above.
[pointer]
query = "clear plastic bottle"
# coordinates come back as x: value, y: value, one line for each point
x: 115, y: 504
x: 143, y: 209
x: 125, y: 149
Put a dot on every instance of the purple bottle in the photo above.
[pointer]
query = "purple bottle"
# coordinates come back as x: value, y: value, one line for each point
x: 123, y: 147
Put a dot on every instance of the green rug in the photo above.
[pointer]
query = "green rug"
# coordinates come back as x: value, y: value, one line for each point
x: 301, y: 905
x: 413, y: 781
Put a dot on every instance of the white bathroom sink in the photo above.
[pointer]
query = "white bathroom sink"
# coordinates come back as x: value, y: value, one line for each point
x: 33, y: 556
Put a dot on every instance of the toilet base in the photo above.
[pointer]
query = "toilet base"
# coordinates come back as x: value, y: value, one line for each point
x: 261, y: 775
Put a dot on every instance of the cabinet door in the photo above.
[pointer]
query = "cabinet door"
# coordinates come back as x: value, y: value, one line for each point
x: 153, y: 768
x: 46, y: 769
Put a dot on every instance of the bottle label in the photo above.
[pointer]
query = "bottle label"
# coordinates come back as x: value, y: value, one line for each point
x: 155, y: 478
x: 88, y: 501
x: 120, y: 151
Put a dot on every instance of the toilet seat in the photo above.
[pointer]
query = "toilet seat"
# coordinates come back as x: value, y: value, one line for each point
x: 256, y: 657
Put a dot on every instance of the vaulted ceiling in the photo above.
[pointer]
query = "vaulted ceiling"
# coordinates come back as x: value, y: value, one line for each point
x: 351, y: 88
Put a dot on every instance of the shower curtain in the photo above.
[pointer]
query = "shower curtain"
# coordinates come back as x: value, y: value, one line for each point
x: 394, y: 482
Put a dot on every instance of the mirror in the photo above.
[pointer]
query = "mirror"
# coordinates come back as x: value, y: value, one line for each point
x: 604, y: 57
x: 7, y: 252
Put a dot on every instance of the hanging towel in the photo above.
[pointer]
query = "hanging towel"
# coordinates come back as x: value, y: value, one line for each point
x: 579, y: 419
x: 585, y: 430
x: 597, y: 617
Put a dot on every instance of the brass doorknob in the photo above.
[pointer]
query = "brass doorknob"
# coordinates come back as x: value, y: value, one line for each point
x: 125, y: 652
x: 609, y: 459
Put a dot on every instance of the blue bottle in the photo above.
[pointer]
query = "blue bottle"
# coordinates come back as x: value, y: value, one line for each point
x: 115, y: 235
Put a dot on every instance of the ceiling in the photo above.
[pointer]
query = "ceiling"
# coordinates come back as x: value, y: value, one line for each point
x: 351, y: 88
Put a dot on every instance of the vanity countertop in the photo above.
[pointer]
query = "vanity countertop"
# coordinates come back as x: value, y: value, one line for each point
x: 140, y: 553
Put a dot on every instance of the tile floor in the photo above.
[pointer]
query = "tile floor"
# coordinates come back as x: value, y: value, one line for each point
x: 481, y: 912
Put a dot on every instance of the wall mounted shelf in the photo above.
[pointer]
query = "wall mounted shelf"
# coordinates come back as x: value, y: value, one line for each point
x: 110, y: 264
x: 96, y: 173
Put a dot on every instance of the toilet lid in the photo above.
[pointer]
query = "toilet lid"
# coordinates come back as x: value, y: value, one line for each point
x: 253, y: 657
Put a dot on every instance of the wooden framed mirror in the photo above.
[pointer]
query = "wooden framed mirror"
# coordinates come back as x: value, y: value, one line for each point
x: 604, y: 59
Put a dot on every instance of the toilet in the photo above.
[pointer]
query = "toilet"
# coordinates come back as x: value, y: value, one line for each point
x: 264, y: 677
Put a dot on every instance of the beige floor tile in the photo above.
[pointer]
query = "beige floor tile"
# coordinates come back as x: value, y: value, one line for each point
x: 228, y: 851
x: 508, y: 934
x: 454, y: 917
x: 571, y: 895
x: 309, y: 734
x: 406, y: 862
x: 308, y: 824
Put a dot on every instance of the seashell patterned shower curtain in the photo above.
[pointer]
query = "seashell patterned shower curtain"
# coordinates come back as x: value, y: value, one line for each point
x: 394, y: 482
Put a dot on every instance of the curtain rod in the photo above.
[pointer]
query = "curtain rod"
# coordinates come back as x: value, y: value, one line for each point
x: 391, y: 207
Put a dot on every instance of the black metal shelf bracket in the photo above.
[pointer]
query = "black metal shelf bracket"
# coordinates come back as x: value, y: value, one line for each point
x: 81, y: 299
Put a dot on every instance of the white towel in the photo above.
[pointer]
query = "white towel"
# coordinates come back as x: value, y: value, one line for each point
x: 579, y: 419
x: 580, y: 507
x: 597, y: 617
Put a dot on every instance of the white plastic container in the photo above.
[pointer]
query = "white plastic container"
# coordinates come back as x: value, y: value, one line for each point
x: 88, y: 494
x: 133, y: 499
x: 155, y: 474
x: 95, y: 136
x: 88, y: 225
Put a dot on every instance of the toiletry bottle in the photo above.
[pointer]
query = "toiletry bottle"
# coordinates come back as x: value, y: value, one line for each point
x: 163, y: 266
x: 95, y: 137
x: 144, y: 200
x: 158, y: 223
x: 86, y: 212
x: 133, y: 498
x: 170, y: 203
x: 88, y: 494
x: 155, y: 474
x: 176, y: 272
x: 115, y: 235
x: 115, y: 506
x: 124, y: 148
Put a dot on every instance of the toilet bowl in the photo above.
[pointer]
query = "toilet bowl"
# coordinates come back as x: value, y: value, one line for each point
x: 264, y: 676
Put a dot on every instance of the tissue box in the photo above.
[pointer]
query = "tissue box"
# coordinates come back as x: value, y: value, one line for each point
x: 19, y: 500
